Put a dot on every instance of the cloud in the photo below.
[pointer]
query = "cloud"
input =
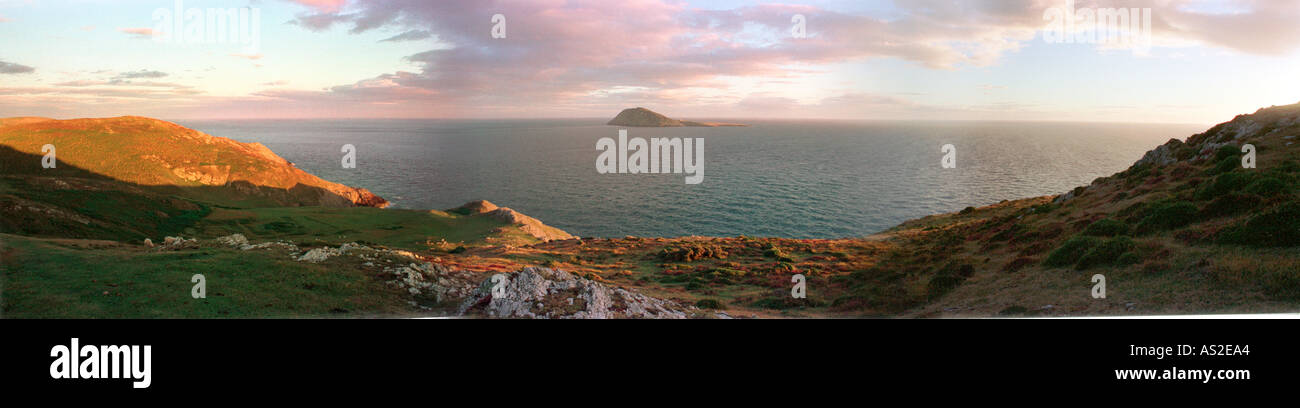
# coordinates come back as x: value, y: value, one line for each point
x: 3, y: 19
x: 253, y: 57
x: 558, y: 54
x: 12, y: 68
x: 323, y: 6
x: 576, y: 57
x: 321, y: 21
x: 139, y: 32
x: 141, y: 74
x: 411, y: 35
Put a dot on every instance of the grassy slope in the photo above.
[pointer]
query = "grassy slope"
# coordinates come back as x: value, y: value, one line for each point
x: 71, y: 234
x: 983, y: 261
x: 166, y: 158
x: 78, y: 279
x: 56, y: 277
x: 1202, y: 235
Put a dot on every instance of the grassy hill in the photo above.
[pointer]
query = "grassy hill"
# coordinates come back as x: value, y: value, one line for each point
x: 1186, y: 229
x: 72, y: 237
x: 168, y: 158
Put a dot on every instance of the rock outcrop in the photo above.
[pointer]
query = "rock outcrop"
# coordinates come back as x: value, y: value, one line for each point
x: 642, y: 117
x: 536, y: 292
x: 433, y: 280
x: 528, y: 225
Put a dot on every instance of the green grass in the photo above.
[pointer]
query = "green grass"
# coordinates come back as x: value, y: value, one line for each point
x: 45, y: 280
x: 112, y: 214
x: 409, y: 229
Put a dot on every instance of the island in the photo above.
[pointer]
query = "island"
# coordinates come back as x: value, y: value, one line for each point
x: 642, y: 117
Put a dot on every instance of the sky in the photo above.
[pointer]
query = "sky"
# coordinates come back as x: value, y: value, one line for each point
x: 1196, y: 61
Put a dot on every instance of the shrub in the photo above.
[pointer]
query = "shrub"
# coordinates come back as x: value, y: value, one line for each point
x: 1128, y: 258
x: 692, y: 252
x: 947, y: 279
x: 777, y: 254
x: 1227, y: 151
x: 1225, y: 165
x: 709, y: 304
x: 1071, y: 251
x: 1105, y: 254
x: 1224, y: 184
x: 967, y: 210
x: 1044, y: 208
x: 1106, y: 227
x: 1231, y: 204
x: 1168, y: 216
x: 1279, y: 227
x: 457, y: 250
x: 1267, y: 187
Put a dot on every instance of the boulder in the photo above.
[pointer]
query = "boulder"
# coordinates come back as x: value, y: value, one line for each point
x: 543, y: 293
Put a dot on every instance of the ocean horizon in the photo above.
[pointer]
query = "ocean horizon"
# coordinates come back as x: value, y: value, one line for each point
x: 782, y: 178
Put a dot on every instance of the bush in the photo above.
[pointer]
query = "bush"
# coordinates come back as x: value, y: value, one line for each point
x: 1044, y: 208
x: 1225, y: 166
x: 947, y: 279
x: 1071, y: 251
x: 777, y: 254
x: 1013, y: 311
x: 1106, y: 227
x: 1105, y: 254
x: 1277, y: 228
x: 1224, y: 184
x: 1168, y: 216
x: 1231, y: 204
x: 692, y: 252
x: 1227, y: 151
x: 1267, y: 187
x: 709, y: 304
x: 1128, y: 258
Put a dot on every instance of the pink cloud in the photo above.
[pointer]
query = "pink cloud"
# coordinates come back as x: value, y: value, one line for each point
x: 577, y: 57
x: 139, y: 32
x: 323, y: 6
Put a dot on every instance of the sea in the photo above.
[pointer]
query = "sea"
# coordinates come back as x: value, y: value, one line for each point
x: 774, y: 178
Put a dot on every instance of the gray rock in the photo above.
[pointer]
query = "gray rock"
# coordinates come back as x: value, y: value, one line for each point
x: 233, y: 240
x: 543, y: 293
x: 177, y: 243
